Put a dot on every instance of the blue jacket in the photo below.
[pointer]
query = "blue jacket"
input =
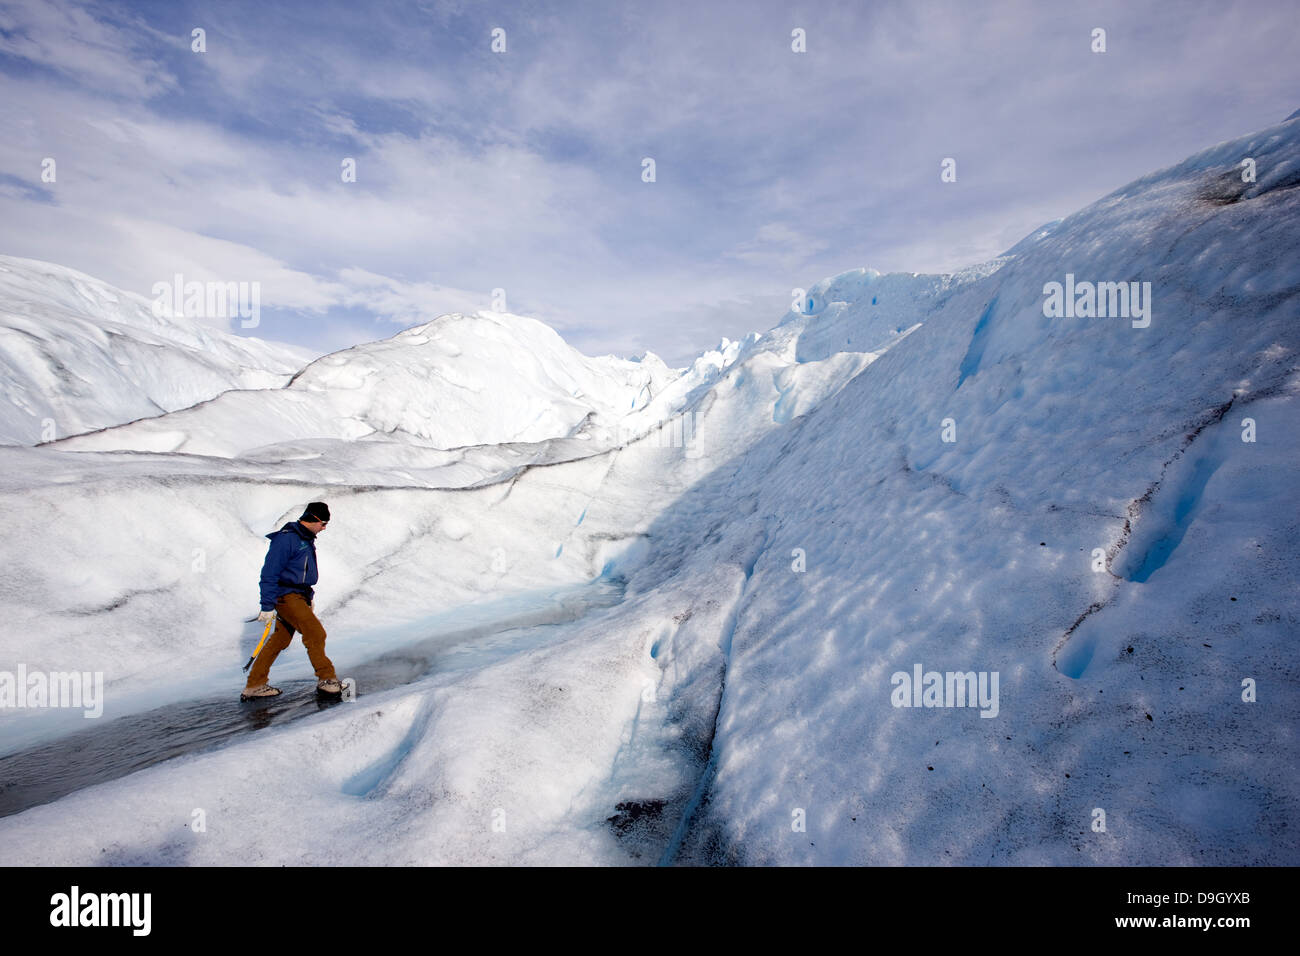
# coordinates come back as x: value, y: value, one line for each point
x: 290, y: 564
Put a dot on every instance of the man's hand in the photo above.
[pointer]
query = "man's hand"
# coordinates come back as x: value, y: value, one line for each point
x: 265, y: 617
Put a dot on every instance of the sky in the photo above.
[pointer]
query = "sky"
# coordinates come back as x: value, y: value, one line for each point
x: 523, y: 169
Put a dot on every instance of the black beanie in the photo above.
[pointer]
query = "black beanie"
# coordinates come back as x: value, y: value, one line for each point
x: 316, y: 511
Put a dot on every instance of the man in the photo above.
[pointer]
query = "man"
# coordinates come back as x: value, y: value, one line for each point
x: 288, y: 575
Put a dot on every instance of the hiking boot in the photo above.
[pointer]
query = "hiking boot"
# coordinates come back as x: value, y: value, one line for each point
x: 331, y: 686
x: 253, y: 693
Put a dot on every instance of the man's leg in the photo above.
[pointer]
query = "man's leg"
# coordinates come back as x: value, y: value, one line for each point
x: 277, y: 642
x: 294, y: 607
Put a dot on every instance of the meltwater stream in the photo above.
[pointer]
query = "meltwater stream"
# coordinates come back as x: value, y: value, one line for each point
x: 123, y: 745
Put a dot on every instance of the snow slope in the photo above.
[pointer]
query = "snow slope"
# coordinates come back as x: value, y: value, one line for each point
x: 84, y: 355
x: 511, y: 517
x: 486, y: 378
x: 494, y: 379
x: 791, y: 530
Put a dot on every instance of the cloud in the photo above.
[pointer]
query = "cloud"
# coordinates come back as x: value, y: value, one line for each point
x: 778, y: 246
x: 522, y: 170
x: 406, y: 303
x: 70, y: 40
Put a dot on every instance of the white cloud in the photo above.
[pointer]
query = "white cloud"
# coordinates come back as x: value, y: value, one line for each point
x: 69, y: 39
x: 776, y: 245
x: 522, y: 171
x: 406, y: 303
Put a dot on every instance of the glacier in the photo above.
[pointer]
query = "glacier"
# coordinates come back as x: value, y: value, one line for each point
x: 580, y: 638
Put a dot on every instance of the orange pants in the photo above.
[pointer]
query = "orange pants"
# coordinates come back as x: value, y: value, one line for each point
x: 293, y: 616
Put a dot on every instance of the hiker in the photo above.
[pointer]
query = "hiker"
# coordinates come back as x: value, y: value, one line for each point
x: 286, y: 585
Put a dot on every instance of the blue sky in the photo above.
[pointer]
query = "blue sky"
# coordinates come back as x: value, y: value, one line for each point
x: 522, y: 170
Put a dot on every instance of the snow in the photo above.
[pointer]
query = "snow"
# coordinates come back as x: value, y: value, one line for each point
x: 483, y: 379
x: 653, y: 614
x: 80, y: 354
